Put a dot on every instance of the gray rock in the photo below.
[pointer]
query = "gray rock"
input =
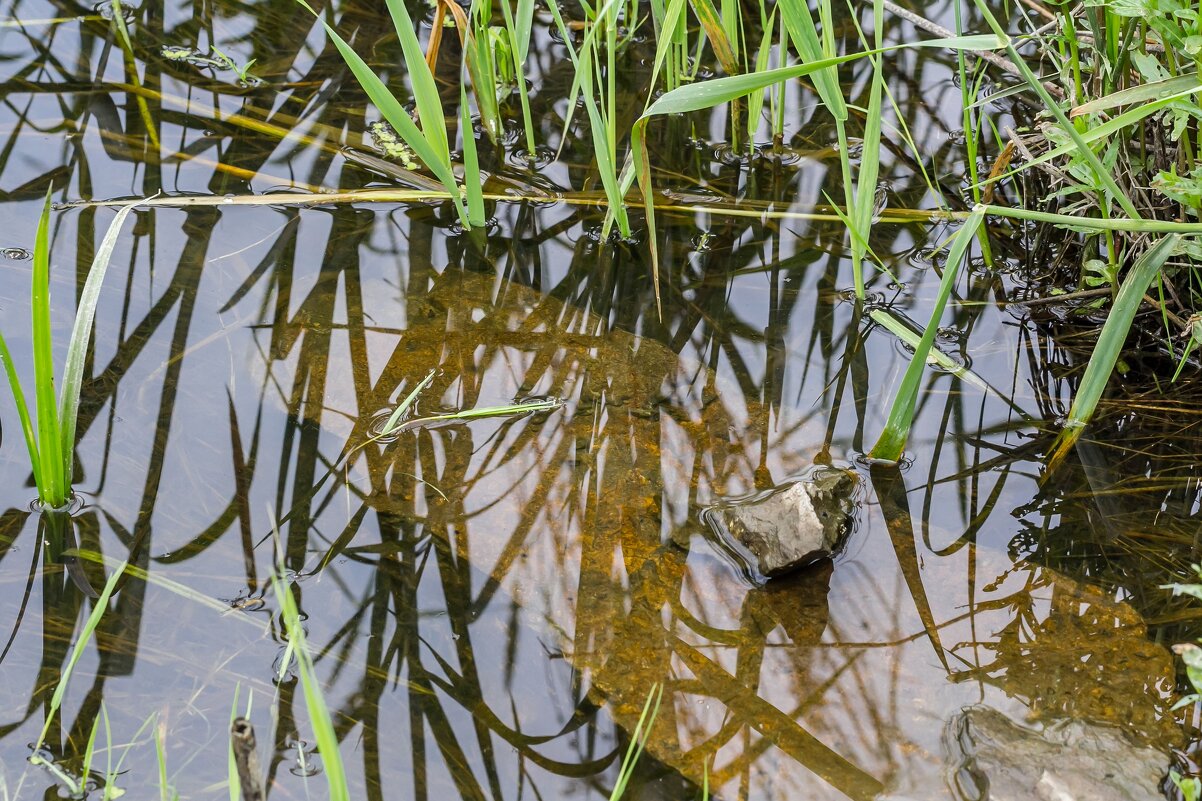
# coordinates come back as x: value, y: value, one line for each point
x: 789, y: 527
x: 991, y: 758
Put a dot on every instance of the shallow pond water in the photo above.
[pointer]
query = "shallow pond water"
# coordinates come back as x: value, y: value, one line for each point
x: 491, y: 601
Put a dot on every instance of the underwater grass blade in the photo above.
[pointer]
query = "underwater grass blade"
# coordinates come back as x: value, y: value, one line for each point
x: 319, y: 712
x: 99, y: 607
x: 893, y: 438
x: 81, y: 334
x: 638, y: 740
x: 53, y: 492
x: 1110, y: 344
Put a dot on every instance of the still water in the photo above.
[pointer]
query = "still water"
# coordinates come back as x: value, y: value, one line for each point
x: 491, y: 601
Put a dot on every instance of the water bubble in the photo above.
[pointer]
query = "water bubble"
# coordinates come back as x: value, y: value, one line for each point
x: 950, y: 334
x: 778, y: 154
x: 880, y: 201
x: 306, y: 764
x: 725, y: 154
x: 376, y: 426
x: 855, y: 148
x: 16, y: 254
x: 105, y: 10
x: 541, y: 157
x: 227, y: 198
x: 928, y: 257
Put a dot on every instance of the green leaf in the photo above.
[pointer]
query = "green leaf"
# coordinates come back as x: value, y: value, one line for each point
x: 429, y: 153
x: 54, y: 491
x: 711, y: 23
x: 425, y: 91
x: 708, y: 94
x: 1179, y: 86
x: 99, y: 607
x: 1110, y: 342
x: 320, y: 718
x: 901, y: 415
x: 81, y: 335
x: 31, y: 437
x: 473, y: 184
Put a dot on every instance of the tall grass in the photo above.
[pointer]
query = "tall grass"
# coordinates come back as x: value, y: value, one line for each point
x: 428, y: 137
x: 320, y: 718
x: 49, y: 431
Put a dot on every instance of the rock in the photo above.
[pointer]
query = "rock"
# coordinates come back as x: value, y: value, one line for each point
x: 789, y: 527
x: 988, y: 757
x: 1068, y: 760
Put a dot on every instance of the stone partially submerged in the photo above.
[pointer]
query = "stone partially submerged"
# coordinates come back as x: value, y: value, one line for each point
x: 989, y: 757
x: 790, y: 527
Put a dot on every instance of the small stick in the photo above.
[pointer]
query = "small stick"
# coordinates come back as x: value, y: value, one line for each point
x: 246, y: 757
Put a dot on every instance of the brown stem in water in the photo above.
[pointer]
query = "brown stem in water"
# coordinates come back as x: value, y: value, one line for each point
x: 246, y: 758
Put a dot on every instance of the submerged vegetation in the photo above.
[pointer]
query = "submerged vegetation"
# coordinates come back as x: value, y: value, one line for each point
x: 548, y: 381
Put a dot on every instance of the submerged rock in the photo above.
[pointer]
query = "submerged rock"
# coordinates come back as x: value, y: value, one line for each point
x: 989, y: 757
x: 1068, y: 760
x: 790, y: 527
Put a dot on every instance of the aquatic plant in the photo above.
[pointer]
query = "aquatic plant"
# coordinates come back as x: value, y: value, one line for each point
x: 428, y: 137
x: 319, y: 710
x: 50, y: 438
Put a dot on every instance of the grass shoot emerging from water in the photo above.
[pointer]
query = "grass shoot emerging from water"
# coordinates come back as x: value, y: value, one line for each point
x: 320, y: 718
x: 50, y: 438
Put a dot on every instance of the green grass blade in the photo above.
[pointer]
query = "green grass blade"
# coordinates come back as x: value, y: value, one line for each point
x: 425, y: 92
x: 1110, y: 343
x: 406, y: 404
x: 663, y: 43
x: 473, y: 184
x: 478, y: 58
x: 160, y: 756
x: 27, y: 428
x: 90, y: 750
x: 49, y: 439
x: 637, y: 741
x: 396, y: 115
x: 232, y: 766
x: 99, y: 607
x: 81, y: 335
x: 1101, y: 173
x: 319, y: 712
x: 517, y: 54
x: 708, y: 94
x: 870, y: 160
x: 799, y: 22
x: 755, y: 106
x: 715, y: 32
x: 1181, y: 85
x: 901, y: 415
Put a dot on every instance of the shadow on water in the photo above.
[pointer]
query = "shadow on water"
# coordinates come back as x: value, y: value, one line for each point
x: 491, y: 601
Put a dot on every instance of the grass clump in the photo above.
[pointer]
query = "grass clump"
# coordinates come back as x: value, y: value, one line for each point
x: 49, y: 430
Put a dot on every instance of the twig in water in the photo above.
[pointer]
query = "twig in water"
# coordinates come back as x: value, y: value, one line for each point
x: 1001, y: 62
x: 246, y: 757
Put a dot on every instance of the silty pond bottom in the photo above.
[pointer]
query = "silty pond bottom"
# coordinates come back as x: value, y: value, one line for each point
x: 491, y: 601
